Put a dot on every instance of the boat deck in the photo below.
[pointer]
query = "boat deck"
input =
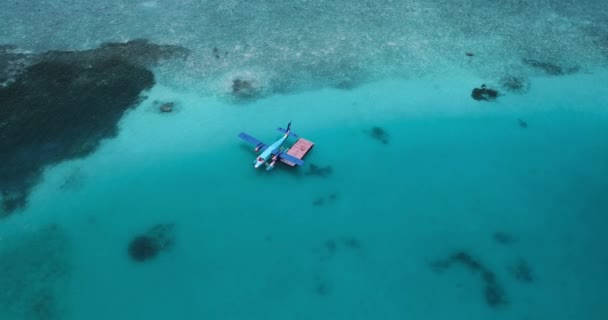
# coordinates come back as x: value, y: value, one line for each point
x: 298, y: 150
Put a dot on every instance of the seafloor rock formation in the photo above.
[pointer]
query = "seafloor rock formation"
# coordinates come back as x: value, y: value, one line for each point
x: 244, y: 89
x: 74, y: 180
x: 549, y: 68
x: 493, y: 292
x: 522, y: 271
x: 379, y: 134
x: 504, y: 238
x: 315, y: 170
x: 161, y: 106
x: 602, y: 43
x: 12, y: 62
x: 217, y: 54
x: 63, y: 103
x: 148, y: 245
x: 522, y: 124
x: 331, y: 247
x: 166, y: 107
x: 34, y: 273
x: 320, y: 201
x: 322, y: 287
x: 515, y: 84
x: 484, y: 94
x: 349, y: 242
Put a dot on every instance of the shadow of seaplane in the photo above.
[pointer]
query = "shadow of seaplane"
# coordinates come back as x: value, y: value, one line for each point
x: 273, y: 152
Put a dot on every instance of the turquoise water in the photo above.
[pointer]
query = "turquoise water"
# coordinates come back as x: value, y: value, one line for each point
x: 252, y: 243
x: 526, y: 203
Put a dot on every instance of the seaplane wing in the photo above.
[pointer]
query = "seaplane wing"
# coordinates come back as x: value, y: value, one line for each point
x: 259, y: 144
x: 291, y: 159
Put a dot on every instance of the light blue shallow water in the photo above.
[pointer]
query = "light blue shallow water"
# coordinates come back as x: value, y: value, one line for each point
x: 252, y: 244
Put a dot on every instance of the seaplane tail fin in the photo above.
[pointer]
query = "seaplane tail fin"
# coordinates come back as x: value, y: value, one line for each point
x: 288, y: 130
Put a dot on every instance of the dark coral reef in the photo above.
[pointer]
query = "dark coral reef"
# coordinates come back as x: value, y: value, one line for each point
x: 320, y: 201
x: 244, y: 89
x: 151, y: 243
x: 332, y: 247
x: 379, y: 134
x: 12, y: 62
x: 34, y: 274
x: 319, y: 171
x: 522, y: 123
x: 59, y: 105
x: 504, y: 238
x: 522, y: 271
x: 549, y: 68
x: 493, y: 292
x: 322, y: 287
x: 484, y: 93
x: 347, y: 242
x: 515, y: 84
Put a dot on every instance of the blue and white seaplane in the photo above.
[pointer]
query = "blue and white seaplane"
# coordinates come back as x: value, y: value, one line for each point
x: 273, y: 152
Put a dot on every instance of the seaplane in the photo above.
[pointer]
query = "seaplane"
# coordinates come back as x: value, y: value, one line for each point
x: 275, y: 152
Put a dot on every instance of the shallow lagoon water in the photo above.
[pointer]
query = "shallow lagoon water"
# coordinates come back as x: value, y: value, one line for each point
x: 253, y: 244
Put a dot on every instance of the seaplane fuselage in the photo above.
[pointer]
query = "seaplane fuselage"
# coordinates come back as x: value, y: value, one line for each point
x: 264, y: 156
